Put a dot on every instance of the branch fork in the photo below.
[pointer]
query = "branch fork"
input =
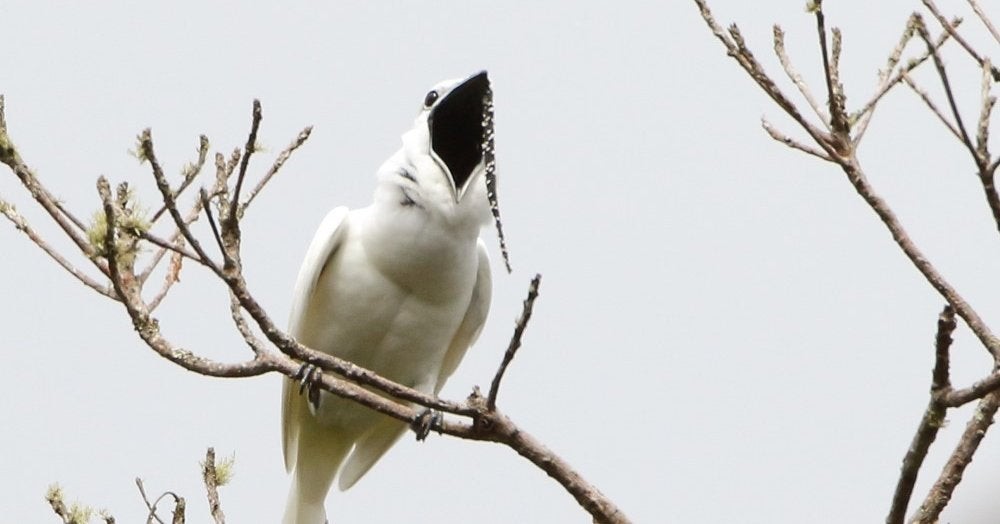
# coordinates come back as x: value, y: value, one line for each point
x: 835, y: 139
x: 112, y: 245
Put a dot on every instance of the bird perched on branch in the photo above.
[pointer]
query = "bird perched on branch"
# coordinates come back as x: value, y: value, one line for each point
x: 401, y: 287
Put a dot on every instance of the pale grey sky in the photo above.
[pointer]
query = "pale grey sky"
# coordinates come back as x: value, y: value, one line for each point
x: 725, y: 332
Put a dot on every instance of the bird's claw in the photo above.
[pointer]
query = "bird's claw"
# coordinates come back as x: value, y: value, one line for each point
x: 426, y: 421
x: 309, y: 377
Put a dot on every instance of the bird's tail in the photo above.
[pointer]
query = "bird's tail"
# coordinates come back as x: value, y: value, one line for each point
x: 318, y: 455
x: 301, y: 510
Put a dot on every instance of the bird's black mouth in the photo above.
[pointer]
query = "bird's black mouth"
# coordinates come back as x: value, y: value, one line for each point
x: 456, y: 128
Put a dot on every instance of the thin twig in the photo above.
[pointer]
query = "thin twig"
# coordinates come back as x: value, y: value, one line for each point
x: 838, y: 86
x: 931, y: 105
x: 150, y: 507
x: 834, y: 91
x: 72, y: 218
x: 860, y: 182
x: 211, y: 220
x: 987, y: 170
x: 236, y: 312
x: 930, y: 423
x: 985, y: 20
x: 278, y: 163
x: 146, y: 143
x: 943, y: 74
x: 942, y: 348
x: 864, y: 115
x: 777, y: 135
x: 111, y: 215
x: 250, y: 149
x: 171, y: 278
x: 176, y: 240
x: 986, y: 103
x: 978, y: 151
x: 929, y: 4
x: 795, y: 77
x: 844, y: 155
x: 736, y: 46
x: 961, y: 457
x: 21, y: 224
x: 55, y: 499
x: 179, y: 508
x: 175, y: 247
x: 10, y: 156
x: 954, y: 398
x: 211, y: 479
x: 515, y: 341
x: 190, y: 172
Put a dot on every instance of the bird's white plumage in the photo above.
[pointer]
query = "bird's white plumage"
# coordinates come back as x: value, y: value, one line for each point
x: 401, y: 287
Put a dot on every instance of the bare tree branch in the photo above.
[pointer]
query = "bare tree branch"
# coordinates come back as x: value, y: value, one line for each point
x: 211, y: 221
x: 985, y: 20
x: 926, y: 98
x: 777, y: 135
x: 953, y: 470
x: 834, y: 90
x: 943, y: 74
x: 10, y: 157
x: 150, y: 506
x: 190, y: 173
x: 930, y: 423
x: 960, y: 397
x: 175, y: 240
x: 863, y: 116
x: 176, y: 247
x: 210, y: 476
x: 986, y: 102
x: 844, y: 155
x: 278, y: 163
x: 70, y: 216
x: 943, y: 395
x: 21, y: 224
x: 146, y: 145
x: 119, y: 248
x: 172, y: 277
x: 929, y: 4
x: 515, y: 341
x: 250, y: 149
x: 737, y: 49
x: 795, y: 77
x: 236, y: 311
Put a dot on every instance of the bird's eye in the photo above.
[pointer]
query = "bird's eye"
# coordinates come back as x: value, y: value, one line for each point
x: 430, y: 98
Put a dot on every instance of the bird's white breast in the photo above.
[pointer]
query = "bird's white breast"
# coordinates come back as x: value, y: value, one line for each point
x: 390, y: 299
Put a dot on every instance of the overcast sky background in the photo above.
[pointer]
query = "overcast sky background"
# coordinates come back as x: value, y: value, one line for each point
x: 725, y: 332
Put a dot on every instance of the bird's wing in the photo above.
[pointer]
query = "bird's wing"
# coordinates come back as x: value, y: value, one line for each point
x: 324, y: 244
x: 472, y: 324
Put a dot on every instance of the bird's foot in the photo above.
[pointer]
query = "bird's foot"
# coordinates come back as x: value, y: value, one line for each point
x: 309, y: 377
x: 426, y: 421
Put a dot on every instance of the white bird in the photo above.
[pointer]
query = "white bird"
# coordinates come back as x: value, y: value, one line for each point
x: 401, y: 287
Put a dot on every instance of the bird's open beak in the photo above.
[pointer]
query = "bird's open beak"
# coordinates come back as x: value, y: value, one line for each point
x: 456, y: 130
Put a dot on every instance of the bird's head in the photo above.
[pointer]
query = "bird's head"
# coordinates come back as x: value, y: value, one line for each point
x: 442, y: 168
x: 454, y: 114
x: 444, y: 147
